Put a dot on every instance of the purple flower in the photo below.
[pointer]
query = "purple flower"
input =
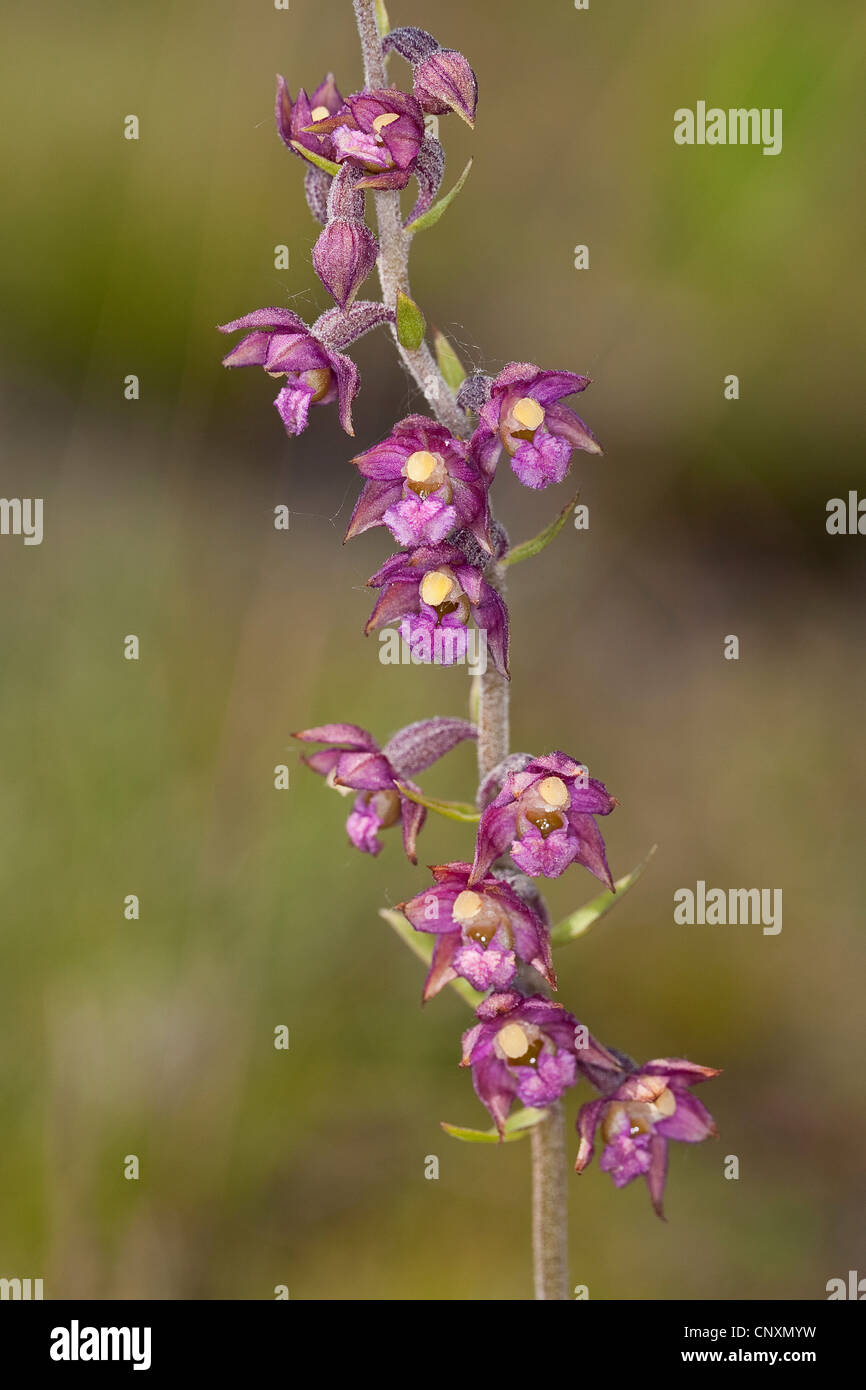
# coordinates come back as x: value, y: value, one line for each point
x: 354, y: 762
x: 295, y: 118
x: 481, y: 933
x: 543, y: 818
x: 379, y: 132
x: 531, y: 1049
x: 316, y: 372
x: 442, y: 78
x: 347, y: 250
x: 433, y: 592
x: 650, y: 1106
x: 422, y: 484
x: 520, y: 410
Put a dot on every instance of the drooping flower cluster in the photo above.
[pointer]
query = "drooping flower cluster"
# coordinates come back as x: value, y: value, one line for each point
x: 430, y: 488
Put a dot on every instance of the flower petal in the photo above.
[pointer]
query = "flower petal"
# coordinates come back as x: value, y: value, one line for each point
x: 655, y: 1178
x: 441, y: 970
x: 690, y: 1123
x: 350, y: 734
x: 413, y: 817
x: 587, y: 1120
x: 374, y: 501
x: 269, y: 319
x: 495, y: 834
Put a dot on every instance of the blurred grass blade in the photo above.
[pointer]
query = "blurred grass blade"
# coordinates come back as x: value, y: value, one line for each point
x: 450, y: 366
x: 455, y: 810
x: 516, y: 1127
x: 527, y: 549
x: 319, y: 160
x: 581, y: 920
x: 421, y: 945
x: 432, y: 215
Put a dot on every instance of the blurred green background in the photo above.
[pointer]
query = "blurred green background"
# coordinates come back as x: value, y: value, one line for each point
x: 707, y: 517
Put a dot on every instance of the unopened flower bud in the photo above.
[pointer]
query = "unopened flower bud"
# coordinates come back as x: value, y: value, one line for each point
x: 445, y: 82
x: 343, y: 257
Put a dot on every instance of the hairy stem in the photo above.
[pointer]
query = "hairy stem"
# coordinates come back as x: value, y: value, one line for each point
x: 550, y: 1206
x: 493, y: 702
x: 549, y: 1193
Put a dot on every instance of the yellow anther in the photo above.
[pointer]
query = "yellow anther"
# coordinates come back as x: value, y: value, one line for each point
x: 435, y: 587
x: 553, y: 792
x: 420, y: 465
x: 665, y: 1104
x: 319, y: 380
x: 386, y: 118
x: 320, y: 113
x: 466, y: 906
x: 528, y: 413
x: 331, y: 782
x: 513, y: 1040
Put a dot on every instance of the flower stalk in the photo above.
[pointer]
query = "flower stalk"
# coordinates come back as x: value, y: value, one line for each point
x: 550, y: 1206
